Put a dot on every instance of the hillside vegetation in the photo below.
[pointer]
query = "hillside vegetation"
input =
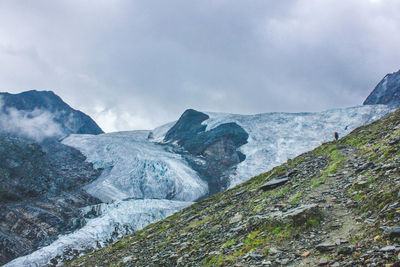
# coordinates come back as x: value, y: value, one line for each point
x: 338, y: 207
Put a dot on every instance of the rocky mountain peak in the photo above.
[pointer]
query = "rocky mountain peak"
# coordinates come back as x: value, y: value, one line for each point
x: 387, y: 91
x: 189, y: 124
x: 217, y: 146
x: 33, y: 99
x: 42, y: 114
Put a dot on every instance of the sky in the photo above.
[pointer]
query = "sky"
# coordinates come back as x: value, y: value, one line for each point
x: 139, y: 64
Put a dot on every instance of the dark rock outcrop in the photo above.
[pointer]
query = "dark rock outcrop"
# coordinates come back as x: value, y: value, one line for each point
x: 40, y: 193
x: 213, y: 153
x: 69, y: 119
x: 274, y: 183
x: 387, y: 91
x: 187, y: 127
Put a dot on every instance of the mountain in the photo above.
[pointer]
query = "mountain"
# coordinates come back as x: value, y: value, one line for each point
x: 387, y: 91
x: 42, y: 114
x: 130, y: 179
x: 217, y: 147
x: 40, y: 193
x: 336, y: 205
x: 148, y: 175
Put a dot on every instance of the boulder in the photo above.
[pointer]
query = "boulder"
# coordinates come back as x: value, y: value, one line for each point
x: 274, y: 183
x: 293, y: 217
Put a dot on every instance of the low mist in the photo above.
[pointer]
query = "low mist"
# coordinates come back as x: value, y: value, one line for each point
x: 37, y: 124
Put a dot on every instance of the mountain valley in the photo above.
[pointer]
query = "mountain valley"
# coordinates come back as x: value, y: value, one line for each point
x: 67, y: 188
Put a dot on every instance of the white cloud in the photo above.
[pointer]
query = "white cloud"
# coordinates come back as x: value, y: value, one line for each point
x: 153, y: 59
x: 37, y: 124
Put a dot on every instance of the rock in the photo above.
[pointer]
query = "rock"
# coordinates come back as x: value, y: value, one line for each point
x: 392, y: 232
x: 387, y: 91
x: 285, y: 261
x: 238, y: 245
x: 266, y: 262
x: 255, y: 255
x: 323, y: 247
x: 336, y: 264
x: 294, y: 217
x: 273, y: 251
x: 54, y: 261
x: 180, y: 261
x: 394, y: 205
x: 323, y: 262
x: 305, y: 254
x: 387, y: 249
x: 41, y: 193
x: 361, y: 184
x: 236, y: 218
x: 127, y: 259
x: 217, y: 148
x: 394, y: 141
x: 274, y: 183
x: 346, y: 250
x: 239, y: 192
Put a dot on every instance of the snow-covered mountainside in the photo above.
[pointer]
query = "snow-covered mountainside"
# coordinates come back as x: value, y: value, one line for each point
x: 387, y: 91
x: 277, y: 137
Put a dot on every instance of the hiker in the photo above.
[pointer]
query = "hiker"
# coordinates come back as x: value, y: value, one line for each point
x: 336, y: 136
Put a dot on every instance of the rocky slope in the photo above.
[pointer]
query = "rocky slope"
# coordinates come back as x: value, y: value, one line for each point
x: 39, y: 114
x: 337, y: 205
x: 40, y: 193
x: 387, y: 91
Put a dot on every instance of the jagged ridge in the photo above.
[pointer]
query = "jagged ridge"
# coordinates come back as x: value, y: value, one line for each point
x: 387, y: 91
x: 36, y: 103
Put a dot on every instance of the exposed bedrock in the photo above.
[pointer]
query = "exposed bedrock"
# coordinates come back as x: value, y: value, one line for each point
x: 47, y: 106
x: 214, y: 153
x: 387, y: 91
x: 40, y: 193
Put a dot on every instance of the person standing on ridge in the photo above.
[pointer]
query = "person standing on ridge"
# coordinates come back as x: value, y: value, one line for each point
x: 336, y: 136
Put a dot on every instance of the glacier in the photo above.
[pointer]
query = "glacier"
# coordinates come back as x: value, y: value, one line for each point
x: 115, y: 220
x: 136, y: 168
x: 276, y: 137
x: 144, y: 180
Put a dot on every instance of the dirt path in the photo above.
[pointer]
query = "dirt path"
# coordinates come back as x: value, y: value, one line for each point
x: 340, y: 223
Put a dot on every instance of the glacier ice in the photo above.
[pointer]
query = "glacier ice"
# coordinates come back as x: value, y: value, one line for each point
x: 116, y: 220
x: 137, y: 168
x: 277, y: 137
x: 142, y: 181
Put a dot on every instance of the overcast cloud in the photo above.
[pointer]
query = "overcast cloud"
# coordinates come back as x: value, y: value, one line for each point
x: 139, y: 64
